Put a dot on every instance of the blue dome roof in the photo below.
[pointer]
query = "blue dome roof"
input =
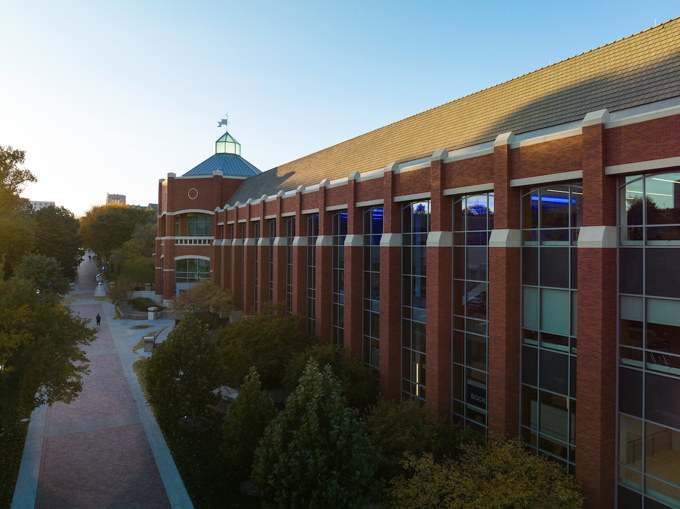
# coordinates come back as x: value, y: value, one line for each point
x: 231, y: 165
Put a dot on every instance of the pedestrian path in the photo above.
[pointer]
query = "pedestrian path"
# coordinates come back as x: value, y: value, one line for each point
x: 104, y: 449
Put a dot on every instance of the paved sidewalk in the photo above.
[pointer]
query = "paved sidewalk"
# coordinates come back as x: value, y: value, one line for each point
x: 105, y: 448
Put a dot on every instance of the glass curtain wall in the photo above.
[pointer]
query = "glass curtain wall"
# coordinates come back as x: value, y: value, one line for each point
x: 192, y: 270
x: 290, y: 237
x: 312, y: 235
x: 472, y: 225
x: 256, y: 236
x: 415, y: 227
x: 272, y: 237
x: 649, y: 342
x: 243, y: 265
x: 198, y: 225
x: 338, y: 305
x: 551, y: 221
x: 373, y: 229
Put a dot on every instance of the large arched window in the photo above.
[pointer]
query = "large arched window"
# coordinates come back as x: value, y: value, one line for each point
x: 199, y: 225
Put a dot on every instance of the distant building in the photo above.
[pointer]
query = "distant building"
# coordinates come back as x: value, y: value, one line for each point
x: 37, y: 205
x: 150, y: 206
x: 115, y: 198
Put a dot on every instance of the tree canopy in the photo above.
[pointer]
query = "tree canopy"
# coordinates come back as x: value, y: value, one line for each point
x: 185, y: 369
x: 316, y: 453
x: 267, y: 341
x: 57, y: 235
x: 106, y: 228
x: 207, y: 301
x: 43, y: 271
x: 16, y: 224
x: 40, y: 345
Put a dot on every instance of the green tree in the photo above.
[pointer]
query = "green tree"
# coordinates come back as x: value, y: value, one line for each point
x: 41, y: 343
x: 57, y: 236
x: 16, y: 223
x: 316, y: 454
x: 45, y: 272
x: 359, y: 383
x: 115, y: 226
x: 495, y: 474
x: 185, y: 370
x: 141, y: 246
x: 410, y: 427
x: 207, y: 301
x: 248, y: 417
x: 267, y: 341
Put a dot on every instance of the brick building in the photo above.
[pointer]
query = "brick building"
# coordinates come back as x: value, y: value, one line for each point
x: 500, y: 258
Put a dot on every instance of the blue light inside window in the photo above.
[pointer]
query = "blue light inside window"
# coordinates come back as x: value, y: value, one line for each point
x: 552, y: 199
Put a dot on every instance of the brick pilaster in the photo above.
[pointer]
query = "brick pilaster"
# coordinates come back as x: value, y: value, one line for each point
x: 390, y: 292
x: 596, y: 360
x: 280, y: 253
x: 324, y: 269
x: 504, y: 298
x: 299, y: 303
x: 353, y: 338
x: 439, y: 246
x: 249, y: 264
x: 236, y: 247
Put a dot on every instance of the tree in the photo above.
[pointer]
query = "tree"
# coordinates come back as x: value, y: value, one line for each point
x: 16, y: 224
x: 248, y: 417
x: 142, y: 245
x: 316, y: 454
x: 109, y: 228
x: 44, y: 272
x: 267, y: 341
x: 57, y: 236
x: 207, y: 301
x: 410, y: 427
x: 40, y: 346
x: 122, y: 291
x: 495, y: 474
x: 359, y: 384
x: 185, y: 370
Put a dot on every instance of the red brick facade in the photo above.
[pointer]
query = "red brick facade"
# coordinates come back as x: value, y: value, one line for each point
x: 589, y: 151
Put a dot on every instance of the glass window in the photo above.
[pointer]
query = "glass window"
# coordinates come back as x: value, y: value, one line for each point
x: 649, y: 341
x: 290, y: 237
x: 256, y: 236
x: 312, y: 235
x: 415, y: 228
x: 373, y: 229
x: 551, y: 219
x: 338, y: 279
x: 472, y: 224
x: 199, y: 225
x: 272, y: 238
x: 192, y: 270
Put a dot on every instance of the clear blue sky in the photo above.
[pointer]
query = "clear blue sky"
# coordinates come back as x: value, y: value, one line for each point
x: 111, y: 96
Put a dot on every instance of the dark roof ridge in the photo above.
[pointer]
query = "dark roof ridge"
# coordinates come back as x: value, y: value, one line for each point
x: 659, y: 26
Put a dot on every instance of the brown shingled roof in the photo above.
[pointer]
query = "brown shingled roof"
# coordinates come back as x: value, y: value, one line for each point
x: 639, y: 69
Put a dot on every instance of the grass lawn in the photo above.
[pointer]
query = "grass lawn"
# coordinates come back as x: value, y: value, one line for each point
x: 11, y: 450
x: 203, y: 468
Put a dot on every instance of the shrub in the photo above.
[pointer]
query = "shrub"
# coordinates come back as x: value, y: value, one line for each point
x: 498, y: 475
x: 409, y: 427
x: 358, y: 382
x: 143, y: 303
x: 267, y: 341
x: 185, y: 370
x: 248, y: 417
x: 315, y: 454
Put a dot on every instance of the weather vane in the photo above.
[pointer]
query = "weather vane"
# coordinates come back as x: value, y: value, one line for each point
x: 224, y: 122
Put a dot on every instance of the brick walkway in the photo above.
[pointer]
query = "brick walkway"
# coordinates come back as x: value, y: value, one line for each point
x: 104, y: 449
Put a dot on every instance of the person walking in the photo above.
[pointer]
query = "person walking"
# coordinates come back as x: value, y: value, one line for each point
x: 99, y: 320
